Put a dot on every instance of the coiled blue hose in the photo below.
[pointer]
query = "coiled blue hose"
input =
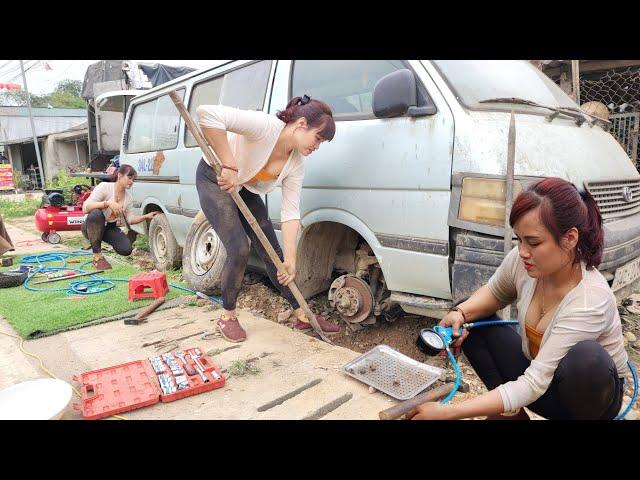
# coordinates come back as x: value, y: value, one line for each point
x: 95, y: 285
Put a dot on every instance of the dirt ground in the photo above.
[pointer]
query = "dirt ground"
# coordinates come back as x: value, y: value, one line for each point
x: 260, y: 298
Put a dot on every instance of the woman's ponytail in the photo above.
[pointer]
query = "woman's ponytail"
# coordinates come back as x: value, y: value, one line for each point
x: 591, y: 241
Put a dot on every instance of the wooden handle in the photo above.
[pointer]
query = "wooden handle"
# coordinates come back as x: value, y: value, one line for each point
x: 217, y: 166
x: 146, y: 311
x: 400, y: 409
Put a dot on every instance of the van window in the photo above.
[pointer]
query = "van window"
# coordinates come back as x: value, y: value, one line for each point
x: 243, y: 88
x: 346, y: 85
x: 475, y: 80
x: 154, y: 125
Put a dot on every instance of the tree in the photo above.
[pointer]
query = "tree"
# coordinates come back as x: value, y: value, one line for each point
x: 67, y: 94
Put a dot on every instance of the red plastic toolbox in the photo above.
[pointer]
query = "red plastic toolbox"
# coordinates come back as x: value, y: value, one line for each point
x: 121, y: 388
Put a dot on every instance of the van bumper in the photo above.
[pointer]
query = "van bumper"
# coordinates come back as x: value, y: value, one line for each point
x: 477, y: 256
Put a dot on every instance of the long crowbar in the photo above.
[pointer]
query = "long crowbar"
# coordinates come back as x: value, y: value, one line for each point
x: 214, y: 161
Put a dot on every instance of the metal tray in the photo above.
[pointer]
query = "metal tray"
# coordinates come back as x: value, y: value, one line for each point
x: 392, y: 372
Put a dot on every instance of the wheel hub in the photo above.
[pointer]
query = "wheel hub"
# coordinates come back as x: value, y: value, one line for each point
x: 206, y: 251
x: 352, y: 297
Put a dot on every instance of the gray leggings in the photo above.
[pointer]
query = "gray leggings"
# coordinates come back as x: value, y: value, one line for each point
x: 233, y: 229
x: 97, y: 232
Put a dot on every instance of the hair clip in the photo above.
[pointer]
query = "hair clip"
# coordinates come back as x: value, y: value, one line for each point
x: 305, y: 99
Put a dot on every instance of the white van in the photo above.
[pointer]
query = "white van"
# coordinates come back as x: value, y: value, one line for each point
x: 405, y: 207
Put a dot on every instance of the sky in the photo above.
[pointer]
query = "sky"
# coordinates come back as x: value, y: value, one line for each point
x: 43, y: 75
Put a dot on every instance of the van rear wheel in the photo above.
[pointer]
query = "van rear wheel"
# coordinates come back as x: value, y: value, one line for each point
x: 203, y: 258
x: 165, y: 251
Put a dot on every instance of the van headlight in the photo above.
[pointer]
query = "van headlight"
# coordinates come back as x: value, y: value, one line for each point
x: 483, y: 200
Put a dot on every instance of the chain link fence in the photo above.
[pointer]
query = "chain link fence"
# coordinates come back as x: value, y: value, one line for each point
x: 619, y: 90
x: 624, y: 127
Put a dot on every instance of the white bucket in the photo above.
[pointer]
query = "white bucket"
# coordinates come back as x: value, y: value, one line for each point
x: 42, y: 399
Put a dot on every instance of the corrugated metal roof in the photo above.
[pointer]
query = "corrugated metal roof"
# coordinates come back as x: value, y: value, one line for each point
x: 43, y: 112
x: 14, y: 129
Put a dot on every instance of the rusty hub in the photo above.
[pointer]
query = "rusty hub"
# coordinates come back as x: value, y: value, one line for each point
x: 352, y: 297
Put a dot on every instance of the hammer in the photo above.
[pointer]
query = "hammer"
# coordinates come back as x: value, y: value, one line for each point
x: 432, y: 395
x: 139, y: 318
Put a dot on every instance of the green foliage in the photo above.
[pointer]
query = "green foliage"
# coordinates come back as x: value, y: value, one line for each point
x: 67, y: 94
x: 142, y: 242
x: 12, y: 209
x: 240, y: 368
x: 18, y: 181
x: 63, y: 181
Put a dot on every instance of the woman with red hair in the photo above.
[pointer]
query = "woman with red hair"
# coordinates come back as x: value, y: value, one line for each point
x: 570, y: 361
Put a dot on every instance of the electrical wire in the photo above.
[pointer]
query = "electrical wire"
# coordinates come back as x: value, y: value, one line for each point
x: 74, y: 288
x: 46, y: 370
x: 38, y: 62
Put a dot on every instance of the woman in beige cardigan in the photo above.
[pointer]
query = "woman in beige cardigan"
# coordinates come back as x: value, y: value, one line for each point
x: 258, y: 152
x: 570, y: 360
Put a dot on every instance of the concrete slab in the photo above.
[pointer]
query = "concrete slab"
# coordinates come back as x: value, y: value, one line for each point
x: 28, y: 242
x: 287, y: 360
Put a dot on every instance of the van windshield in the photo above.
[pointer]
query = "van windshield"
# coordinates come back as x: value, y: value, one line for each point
x: 473, y: 81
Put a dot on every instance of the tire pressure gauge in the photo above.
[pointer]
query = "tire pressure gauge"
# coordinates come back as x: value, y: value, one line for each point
x: 430, y: 342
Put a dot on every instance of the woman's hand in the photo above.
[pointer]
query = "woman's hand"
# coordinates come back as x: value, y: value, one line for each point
x: 116, y: 208
x: 228, y: 179
x: 150, y: 215
x: 428, y: 411
x: 286, y: 279
x: 455, y: 320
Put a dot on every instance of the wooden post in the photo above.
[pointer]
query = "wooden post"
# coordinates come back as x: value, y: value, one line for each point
x: 433, y: 395
x: 575, y: 74
x: 508, y: 233
x: 216, y: 164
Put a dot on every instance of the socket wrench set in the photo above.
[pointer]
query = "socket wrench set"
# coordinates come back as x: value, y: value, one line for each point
x: 160, y: 378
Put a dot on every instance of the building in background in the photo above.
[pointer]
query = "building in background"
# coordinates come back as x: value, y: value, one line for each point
x: 62, y: 137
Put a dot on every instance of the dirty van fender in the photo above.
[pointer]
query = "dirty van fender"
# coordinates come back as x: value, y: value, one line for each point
x: 322, y: 232
x: 203, y: 257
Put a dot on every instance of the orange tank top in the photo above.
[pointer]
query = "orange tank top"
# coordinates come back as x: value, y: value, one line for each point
x: 263, y: 175
x: 534, y: 337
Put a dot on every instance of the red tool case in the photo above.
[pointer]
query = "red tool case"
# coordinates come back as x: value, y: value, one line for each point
x: 133, y: 385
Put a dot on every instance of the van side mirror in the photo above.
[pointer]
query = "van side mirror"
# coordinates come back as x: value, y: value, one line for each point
x: 396, y: 94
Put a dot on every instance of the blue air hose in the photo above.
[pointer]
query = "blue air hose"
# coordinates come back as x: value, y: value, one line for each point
x: 95, y: 285
x: 511, y: 322
x: 635, y: 392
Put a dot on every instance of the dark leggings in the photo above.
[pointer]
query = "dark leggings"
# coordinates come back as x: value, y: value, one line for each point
x: 97, y: 232
x: 585, y: 384
x: 232, y: 228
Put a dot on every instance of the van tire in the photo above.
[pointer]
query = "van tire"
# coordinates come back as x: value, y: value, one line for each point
x: 165, y: 251
x: 203, y: 258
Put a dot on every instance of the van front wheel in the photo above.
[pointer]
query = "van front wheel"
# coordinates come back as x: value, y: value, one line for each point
x: 165, y: 251
x: 203, y: 258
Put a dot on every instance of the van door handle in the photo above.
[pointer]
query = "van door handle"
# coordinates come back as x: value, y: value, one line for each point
x: 422, y: 111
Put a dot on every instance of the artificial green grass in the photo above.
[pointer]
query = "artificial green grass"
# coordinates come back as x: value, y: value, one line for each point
x: 33, y: 314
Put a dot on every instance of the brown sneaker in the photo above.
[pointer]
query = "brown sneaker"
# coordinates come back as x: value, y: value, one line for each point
x: 327, y: 327
x: 520, y: 414
x: 231, y: 330
x: 101, y: 264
